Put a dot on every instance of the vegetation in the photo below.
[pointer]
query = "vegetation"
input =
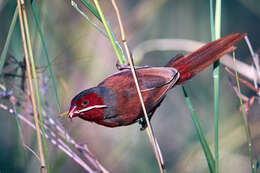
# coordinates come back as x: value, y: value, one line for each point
x: 52, y: 50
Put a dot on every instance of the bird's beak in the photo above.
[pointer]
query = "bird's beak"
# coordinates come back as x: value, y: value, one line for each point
x: 72, y: 111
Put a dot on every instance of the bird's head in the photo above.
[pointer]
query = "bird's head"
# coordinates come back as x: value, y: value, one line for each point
x: 89, y: 104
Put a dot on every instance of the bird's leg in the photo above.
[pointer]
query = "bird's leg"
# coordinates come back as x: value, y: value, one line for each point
x: 121, y: 67
x: 142, y: 120
x: 143, y: 123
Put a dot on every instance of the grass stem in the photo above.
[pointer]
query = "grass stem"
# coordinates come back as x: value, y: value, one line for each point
x: 149, y: 127
x: 245, y: 122
x: 203, y: 141
x: 216, y: 31
x: 36, y: 18
x: 121, y: 60
x: 34, y: 75
x: 28, y: 67
x: 212, y: 23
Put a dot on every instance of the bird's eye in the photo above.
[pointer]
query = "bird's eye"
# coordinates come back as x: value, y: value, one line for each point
x: 85, y: 102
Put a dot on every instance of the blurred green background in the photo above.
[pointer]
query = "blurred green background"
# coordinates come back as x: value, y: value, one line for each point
x: 82, y: 57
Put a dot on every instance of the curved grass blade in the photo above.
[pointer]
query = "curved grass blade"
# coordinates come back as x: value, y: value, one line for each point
x: 36, y: 18
x: 8, y: 39
x: 203, y: 141
x: 245, y: 122
x: 86, y: 17
x: 119, y: 54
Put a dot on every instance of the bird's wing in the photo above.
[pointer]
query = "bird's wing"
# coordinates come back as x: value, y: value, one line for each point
x: 148, y: 78
x: 154, y: 82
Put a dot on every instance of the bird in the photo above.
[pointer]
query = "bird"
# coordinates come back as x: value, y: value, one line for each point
x: 114, y: 102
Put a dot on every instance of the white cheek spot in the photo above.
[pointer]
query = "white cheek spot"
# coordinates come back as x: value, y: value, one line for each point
x: 90, y: 108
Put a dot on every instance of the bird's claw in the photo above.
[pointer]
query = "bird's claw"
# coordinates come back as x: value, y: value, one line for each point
x: 121, y: 67
x: 143, y: 123
x: 127, y: 67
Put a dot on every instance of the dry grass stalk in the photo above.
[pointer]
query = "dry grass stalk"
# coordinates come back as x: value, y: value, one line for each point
x: 21, y: 7
x: 149, y: 127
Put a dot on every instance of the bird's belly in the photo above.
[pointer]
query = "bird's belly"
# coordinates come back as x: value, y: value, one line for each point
x: 128, y: 107
x: 119, y: 120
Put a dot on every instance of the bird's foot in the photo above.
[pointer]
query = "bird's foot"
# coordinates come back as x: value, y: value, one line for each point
x: 121, y: 67
x: 143, y: 123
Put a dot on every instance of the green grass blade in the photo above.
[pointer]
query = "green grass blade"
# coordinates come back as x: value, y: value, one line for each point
x: 36, y: 18
x: 118, y: 47
x: 119, y: 52
x: 216, y: 113
x: 8, y: 39
x: 203, y: 141
x: 212, y: 23
x: 215, y: 34
x: 39, y: 107
x: 245, y: 123
x: 86, y: 17
x: 121, y: 59
x: 218, y: 19
x: 92, y: 8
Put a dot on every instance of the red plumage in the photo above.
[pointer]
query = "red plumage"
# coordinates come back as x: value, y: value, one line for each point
x: 115, y: 102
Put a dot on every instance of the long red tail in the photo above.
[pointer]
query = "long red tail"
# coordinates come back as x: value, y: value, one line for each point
x: 193, y: 63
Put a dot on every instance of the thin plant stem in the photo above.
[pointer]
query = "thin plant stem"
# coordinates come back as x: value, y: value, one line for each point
x: 212, y: 27
x: 149, y: 129
x: 255, y: 58
x: 29, y: 47
x: 36, y: 120
x: 21, y: 135
x: 115, y: 44
x: 55, y: 141
x: 8, y: 39
x: 36, y: 18
x: 121, y: 60
x: 218, y: 19
x: 245, y: 122
x: 203, y: 141
x: 243, y: 81
x: 216, y: 114
x: 216, y: 70
x: 88, y: 19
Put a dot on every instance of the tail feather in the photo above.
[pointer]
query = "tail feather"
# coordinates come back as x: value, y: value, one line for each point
x: 193, y: 63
